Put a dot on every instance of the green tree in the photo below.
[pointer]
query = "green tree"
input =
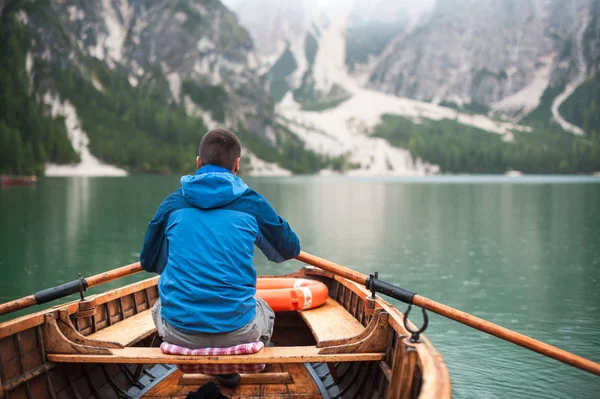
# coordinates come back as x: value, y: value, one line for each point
x: 29, y: 137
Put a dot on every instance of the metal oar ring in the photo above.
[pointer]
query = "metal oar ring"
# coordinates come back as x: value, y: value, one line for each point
x: 415, y: 333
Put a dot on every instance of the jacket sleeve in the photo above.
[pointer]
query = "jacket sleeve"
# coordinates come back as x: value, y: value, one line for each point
x: 154, y: 255
x: 276, y: 238
x: 155, y: 251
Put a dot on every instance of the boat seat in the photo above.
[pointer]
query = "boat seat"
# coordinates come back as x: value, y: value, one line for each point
x: 331, y: 321
x: 283, y: 354
x: 129, y: 331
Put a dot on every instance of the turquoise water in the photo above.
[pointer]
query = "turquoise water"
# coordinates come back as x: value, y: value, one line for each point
x: 523, y: 253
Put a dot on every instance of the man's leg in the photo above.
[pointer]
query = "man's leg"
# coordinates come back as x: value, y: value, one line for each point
x: 259, y: 329
x: 265, y: 320
x: 158, y: 321
x: 171, y: 335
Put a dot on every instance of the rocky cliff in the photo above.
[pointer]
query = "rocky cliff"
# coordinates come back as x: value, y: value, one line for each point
x: 158, y: 43
x: 451, y: 70
x: 488, y: 54
x: 132, y: 83
x: 132, y: 73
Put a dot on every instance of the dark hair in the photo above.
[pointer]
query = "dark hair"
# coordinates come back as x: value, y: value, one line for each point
x: 220, y: 147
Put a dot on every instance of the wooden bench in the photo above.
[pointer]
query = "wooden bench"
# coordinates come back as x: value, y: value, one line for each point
x: 331, y: 322
x: 287, y: 354
x: 341, y: 338
x: 328, y: 322
x: 129, y: 331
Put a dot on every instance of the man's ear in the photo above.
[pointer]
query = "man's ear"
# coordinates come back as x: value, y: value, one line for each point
x: 236, y: 166
x: 198, y: 162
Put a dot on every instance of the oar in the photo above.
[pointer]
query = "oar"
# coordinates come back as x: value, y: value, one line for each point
x: 79, y: 285
x: 451, y: 313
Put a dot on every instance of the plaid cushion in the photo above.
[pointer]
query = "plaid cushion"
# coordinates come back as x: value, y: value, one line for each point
x: 242, y: 349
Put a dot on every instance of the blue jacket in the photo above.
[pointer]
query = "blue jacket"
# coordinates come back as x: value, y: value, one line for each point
x: 201, y: 241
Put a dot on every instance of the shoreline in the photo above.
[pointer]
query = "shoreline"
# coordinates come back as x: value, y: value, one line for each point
x: 330, y: 174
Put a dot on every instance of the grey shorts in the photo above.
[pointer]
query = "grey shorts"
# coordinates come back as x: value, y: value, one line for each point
x: 259, y: 329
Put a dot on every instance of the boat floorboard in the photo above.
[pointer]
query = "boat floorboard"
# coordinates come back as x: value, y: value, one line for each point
x: 302, y: 387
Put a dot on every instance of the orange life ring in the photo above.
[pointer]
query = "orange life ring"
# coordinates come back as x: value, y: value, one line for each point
x: 286, y: 294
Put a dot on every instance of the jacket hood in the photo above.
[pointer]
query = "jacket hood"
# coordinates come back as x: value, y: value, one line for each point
x: 212, y: 187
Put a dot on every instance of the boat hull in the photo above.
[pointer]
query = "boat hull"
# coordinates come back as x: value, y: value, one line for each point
x: 18, y: 181
x: 25, y: 371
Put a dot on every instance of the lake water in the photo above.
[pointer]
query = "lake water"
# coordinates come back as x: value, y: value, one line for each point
x: 523, y: 253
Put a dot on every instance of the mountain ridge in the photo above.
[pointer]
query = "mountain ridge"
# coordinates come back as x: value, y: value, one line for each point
x: 134, y: 83
x: 137, y: 82
x: 527, y: 91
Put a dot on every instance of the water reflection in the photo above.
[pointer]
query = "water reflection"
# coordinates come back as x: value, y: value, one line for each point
x: 78, y: 203
x: 526, y: 256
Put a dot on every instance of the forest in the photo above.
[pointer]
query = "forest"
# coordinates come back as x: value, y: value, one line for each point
x: 28, y: 136
x: 458, y: 148
x: 137, y: 128
x: 131, y: 127
x: 142, y: 130
x: 583, y: 107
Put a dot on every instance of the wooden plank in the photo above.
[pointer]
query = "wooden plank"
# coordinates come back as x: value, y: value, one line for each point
x: 403, y: 370
x: 407, y: 375
x: 373, y: 339
x: 288, y: 354
x: 12, y: 384
x: 302, y: 387
x: 303, y: 381
x: 56, y: 342
x: 128, y: 331
x: 23, y: 323
x: 166, y: 388
x: 394, y: 387
x: 331, y: 322
x: 252, y: 391
x: 436, y: 380
x: 68, y: 329
x: 386, y: 369
x: 260, y: 378
x: 358, y: 289
x: 123, y: 291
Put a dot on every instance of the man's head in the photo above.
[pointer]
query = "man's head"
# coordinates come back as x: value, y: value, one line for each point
x: 220, y: 147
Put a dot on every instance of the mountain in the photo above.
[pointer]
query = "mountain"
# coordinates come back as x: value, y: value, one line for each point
x: 386, y: 87
x: 371, y: 27
x: 452, y: 70
x: 496, y: 54
x: 134, y: 84
x: 282, y: 20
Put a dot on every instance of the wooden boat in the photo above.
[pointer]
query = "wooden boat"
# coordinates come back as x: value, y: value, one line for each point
x: 106, y: 346
x: 11, y: 181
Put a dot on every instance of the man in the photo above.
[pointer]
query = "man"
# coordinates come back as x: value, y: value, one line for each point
x: 201, y: 240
